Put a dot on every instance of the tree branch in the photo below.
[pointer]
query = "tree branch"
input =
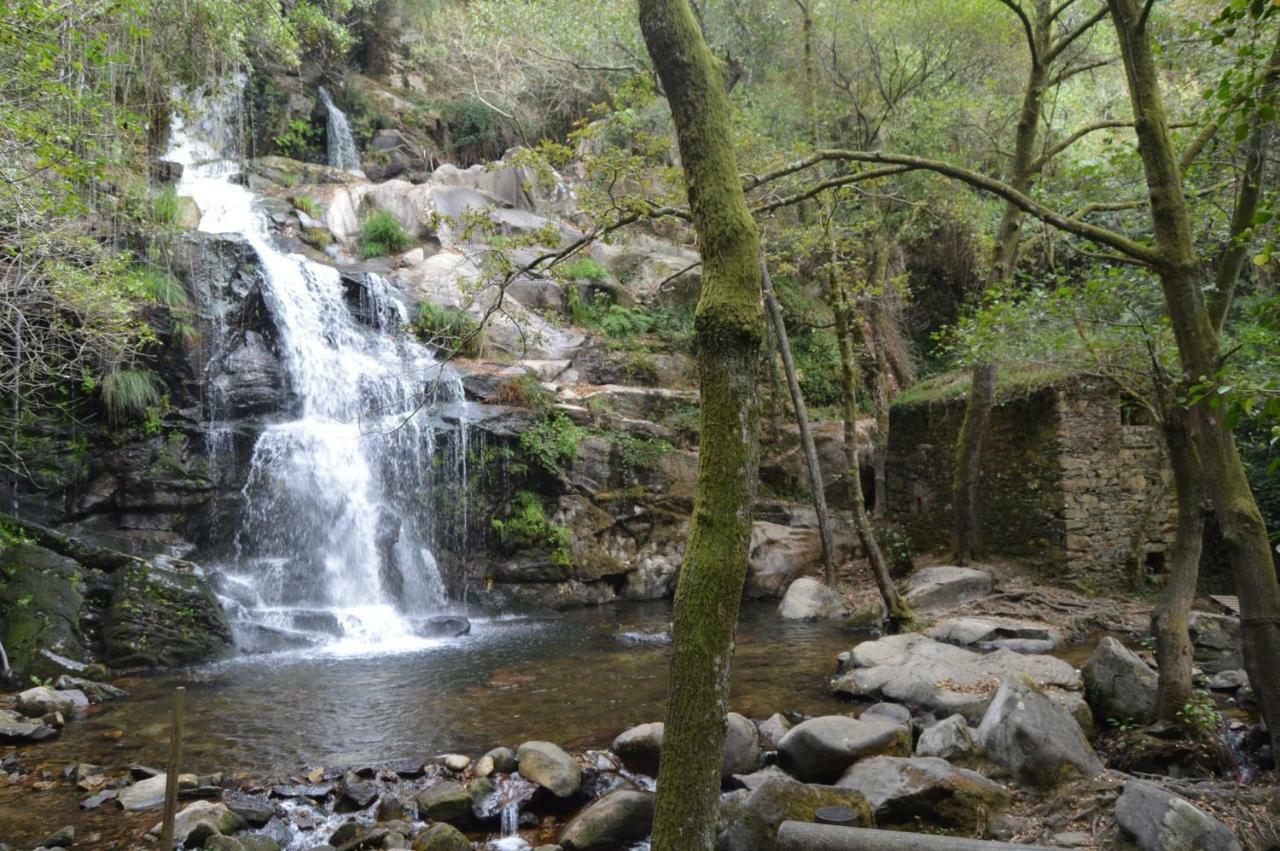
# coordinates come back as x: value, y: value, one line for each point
x: 1027, y: 29
x: 1041, y: 161
x: 1065, y: 41
x: 1102, y: 236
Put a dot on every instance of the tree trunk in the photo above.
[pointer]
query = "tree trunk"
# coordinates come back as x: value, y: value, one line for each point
x: 875, y: 334
x: 973, y: 431
x: 1170, y: 619
x: 1022, y: 170
x: 1244, y: 533
x: 1248, y: 197
x: 774, y: 312
x: 896, y: 610
x: 729, y: 330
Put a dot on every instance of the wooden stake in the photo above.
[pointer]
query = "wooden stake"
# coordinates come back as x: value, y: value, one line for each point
x: 171, y: 778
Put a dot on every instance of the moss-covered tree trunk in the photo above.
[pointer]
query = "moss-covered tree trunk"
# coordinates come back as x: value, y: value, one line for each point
x: 1170, y: 619
x: 1181, y: 279
x: 973, y: 432
x: 729, y: 330
x: 1004, y: 257
x: 774, y: 311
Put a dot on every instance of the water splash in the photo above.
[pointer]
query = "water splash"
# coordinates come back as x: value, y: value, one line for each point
x: 342, y: 145
x: 333, y: 546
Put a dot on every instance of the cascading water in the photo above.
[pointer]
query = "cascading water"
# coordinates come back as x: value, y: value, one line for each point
x: 333, y: 544
x: 342, y: 144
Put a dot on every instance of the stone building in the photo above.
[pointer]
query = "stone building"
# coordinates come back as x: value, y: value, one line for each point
x: 1073, y: 476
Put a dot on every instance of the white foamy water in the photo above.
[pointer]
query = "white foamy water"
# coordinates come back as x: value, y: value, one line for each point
x: 333, y: 547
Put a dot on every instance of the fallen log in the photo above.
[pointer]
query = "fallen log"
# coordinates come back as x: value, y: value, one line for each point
x: 100, y: 558
x: 805, y: 836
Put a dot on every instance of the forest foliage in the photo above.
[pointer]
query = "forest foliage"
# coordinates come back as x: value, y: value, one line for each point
x: 87, y: 88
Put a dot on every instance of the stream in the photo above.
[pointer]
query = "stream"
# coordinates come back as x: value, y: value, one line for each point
x: 577, y: 678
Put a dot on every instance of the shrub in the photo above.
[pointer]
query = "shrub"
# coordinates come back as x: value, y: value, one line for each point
x: 309, y: 205
x: 449, y: 329
x: 381, y: 234
x: 523, y: 391
x: 639, y: 452
x: 553, y: 442
x: 128, y: 393
x: 584, y: 269
x: 528, y: 530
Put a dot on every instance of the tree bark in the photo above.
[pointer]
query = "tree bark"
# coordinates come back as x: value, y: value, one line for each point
x: 729, y: 330
x: 973, y: 432
x: 896, y: 610
x: 774, y: 312
x: 1170, y: 619
x: 1178, y: 266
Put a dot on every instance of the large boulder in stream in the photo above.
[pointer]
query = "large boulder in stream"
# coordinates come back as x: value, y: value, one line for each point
x: 1032, y: 737
x: 550, y: 767
x: 17, y: 729
x: 42, y: 700
x: 1159, y: 820
x: 820, y: 749
x: 640, y: 748
x: 200, y: 820
x: 750, y: 821
x: 902, y: 790
x: 809, y: 600
x: 161, y: 617
x: 620, y: 818
x: 1118, y: 684
x: 943, y: 679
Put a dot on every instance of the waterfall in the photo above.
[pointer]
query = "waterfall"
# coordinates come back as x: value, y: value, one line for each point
x: 333, y: 544
x: 342, y: 145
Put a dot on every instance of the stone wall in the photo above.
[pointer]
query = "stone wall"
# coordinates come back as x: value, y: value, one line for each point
x: 1019, y: 488
x: 1116, y: 482
x: 1065, y: 482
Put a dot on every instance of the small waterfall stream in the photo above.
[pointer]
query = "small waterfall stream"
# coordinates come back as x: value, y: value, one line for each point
x: 333, y: 547
x: 342, y: 144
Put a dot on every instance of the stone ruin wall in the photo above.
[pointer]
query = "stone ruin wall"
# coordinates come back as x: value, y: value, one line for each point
x: 1066, y: 484
x: 1116, y: 483
x: 1018, y: 487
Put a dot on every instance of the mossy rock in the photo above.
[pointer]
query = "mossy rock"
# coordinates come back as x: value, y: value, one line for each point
x: 751, y: 824
x: 41, y: 595
x: 160, y: 617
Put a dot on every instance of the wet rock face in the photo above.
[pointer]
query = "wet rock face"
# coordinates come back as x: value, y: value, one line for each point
x: 50, y: 618
x: 160, y: 617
